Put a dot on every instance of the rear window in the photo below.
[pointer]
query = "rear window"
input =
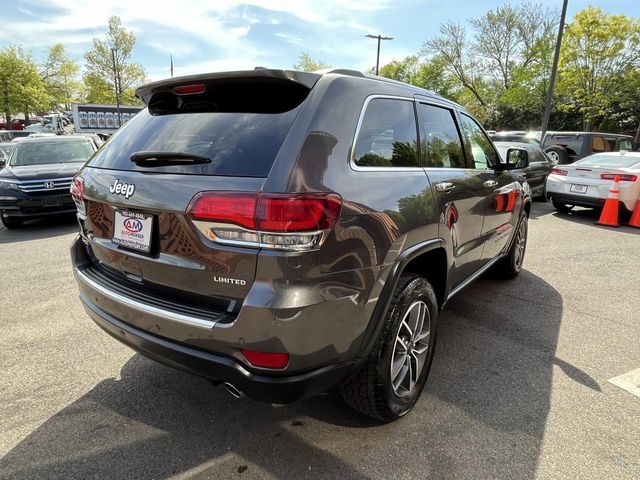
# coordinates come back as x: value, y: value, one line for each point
x: 45, y: 152
x: 618, y: 161
x: 238, y: 144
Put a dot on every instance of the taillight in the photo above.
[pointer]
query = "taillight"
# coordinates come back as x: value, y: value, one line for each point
x: 225, y: 207
x: 622, y: 177
x: 189, y: 89
x: 266, y: 359
x: 77, y: 193
x: 269, y: 220
x: 77, y: 188
x: 557, y: 171
x: 297, y: 213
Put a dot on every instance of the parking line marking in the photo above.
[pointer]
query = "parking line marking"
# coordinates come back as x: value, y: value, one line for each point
x: 629, y: 381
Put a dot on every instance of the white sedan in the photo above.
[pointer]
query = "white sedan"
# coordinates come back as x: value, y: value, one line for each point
x: 587, y: 182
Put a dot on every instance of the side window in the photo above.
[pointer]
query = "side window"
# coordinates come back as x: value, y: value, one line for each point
x: 388, y: 135
x: 478, y: 144
x: 440, y: 140
x: 599, y: 144
x: 625, y: 144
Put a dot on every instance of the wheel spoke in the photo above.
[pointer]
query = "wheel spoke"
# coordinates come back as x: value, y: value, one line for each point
x: 401, y: 375
x: 421, y: 312
x: 421, y: 347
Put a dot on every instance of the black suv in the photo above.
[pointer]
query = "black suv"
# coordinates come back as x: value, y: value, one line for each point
x: 568, y: 147
x: 35, y: 179
x: 289, y: 233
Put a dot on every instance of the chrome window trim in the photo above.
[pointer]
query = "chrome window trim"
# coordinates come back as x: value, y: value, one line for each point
x: 352, y: 161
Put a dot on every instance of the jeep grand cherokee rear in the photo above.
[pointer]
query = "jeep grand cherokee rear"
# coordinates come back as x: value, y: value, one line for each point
x: 232, y: 229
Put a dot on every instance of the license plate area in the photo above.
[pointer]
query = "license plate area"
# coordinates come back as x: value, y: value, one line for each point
x: 133, y: 230
x: 575, y: 188
x: 52, y: 202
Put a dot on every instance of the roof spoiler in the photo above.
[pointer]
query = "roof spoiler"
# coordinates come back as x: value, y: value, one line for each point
x: 258, y: 75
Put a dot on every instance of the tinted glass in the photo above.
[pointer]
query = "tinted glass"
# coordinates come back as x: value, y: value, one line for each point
x: 625, y: 144
x: 44, y: 152
x: 388, y: 135
x: 441, y: 145
x: 483, y: 154
x: 238, y: 144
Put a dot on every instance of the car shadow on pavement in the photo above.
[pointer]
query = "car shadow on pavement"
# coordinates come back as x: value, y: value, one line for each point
x: 589, y: 216
x: 36, y: 229
x: 482, y: 415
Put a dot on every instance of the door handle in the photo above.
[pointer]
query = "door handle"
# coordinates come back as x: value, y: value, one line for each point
x: 490, y: 183
x: 445, y: 187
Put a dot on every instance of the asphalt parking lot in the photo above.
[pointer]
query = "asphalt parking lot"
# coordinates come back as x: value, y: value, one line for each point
x: 519, y: 387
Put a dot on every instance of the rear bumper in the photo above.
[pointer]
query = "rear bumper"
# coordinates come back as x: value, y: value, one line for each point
x: 272, y: 389
x: 577, y: 200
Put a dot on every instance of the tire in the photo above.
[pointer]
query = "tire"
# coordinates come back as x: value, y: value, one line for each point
x: 374, y: 391
x: 511, y: 265
x: 11, y: 223
x: 561, y: 207
x: 558, y: 154
x: 543, y: 196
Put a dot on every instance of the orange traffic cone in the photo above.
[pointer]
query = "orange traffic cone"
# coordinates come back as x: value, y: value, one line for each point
x: 609, y: 215
x: 635, y: 217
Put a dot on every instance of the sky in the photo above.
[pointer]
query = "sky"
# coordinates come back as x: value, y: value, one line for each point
x: 216, y: 35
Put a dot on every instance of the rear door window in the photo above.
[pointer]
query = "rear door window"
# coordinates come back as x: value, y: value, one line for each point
x: 479, y: 146
x: 440, y: 139
x: 388, y: 135
x: 238, y: 144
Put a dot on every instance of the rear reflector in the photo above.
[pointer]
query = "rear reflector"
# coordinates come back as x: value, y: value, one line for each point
x: 189, y: 89
x: 266, y: 359
x: 557, y: 171
x: 622, y: 177
x: 266, y: 212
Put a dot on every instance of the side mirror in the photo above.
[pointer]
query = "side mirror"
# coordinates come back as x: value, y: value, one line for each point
x: 516, y: 158
x: 3, y: 162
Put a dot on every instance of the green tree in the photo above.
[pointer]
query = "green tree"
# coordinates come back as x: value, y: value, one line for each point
x: 99, y: 68
x: 306, y: 63
x: 600, y: 52
x: 21, y: 88
x: 430, y: 74
x: 59, y: 73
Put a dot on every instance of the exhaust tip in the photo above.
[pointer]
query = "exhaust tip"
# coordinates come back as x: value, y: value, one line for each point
x: 233, y: 390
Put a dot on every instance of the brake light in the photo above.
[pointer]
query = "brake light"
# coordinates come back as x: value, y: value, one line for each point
x: 266, y: 359
x: 622, y: 177
x: 77, y: 193
x: 558, y: 171
x: 189, y: 89
x: 296, y: 213
x: 77, y: 188
x: 270, y: 220
x: 225, y: 207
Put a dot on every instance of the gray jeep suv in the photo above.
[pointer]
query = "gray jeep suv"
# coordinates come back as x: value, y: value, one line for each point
x: 291, y: 233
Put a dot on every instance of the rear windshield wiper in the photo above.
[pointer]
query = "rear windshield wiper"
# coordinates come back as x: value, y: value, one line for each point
x: 156, y: 159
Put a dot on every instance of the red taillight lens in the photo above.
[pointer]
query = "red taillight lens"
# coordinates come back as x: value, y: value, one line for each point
x: 623, y: 177
x: 189, y: 89
x: 77, y: 188
x: 297, y: 213
x: 557, y: 171
x: 225, y: 207
x: 266, y: 359
x: 268, y: 212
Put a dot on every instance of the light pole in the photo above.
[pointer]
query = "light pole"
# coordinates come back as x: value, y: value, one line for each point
x: 116, y: 83
x: 554, y: 70
x: 379, y: 37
